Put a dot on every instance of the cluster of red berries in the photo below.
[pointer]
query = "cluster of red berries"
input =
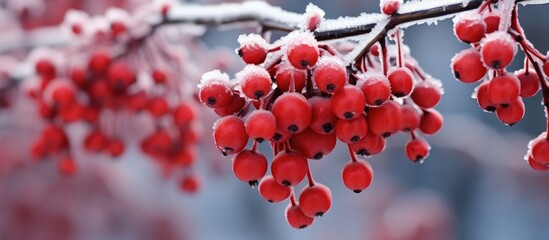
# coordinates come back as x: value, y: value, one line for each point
x: 298, y: 95
x: 105, y: 89
x: 494, y: 37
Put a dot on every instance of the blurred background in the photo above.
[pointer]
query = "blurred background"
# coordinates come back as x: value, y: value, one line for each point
x: 474, y: 185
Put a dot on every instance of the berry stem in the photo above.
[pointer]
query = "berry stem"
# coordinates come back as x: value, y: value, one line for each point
x: 309, y: 89
x: 274, y: 49
x: 483, y: 6
x: 352, y: 153
x: 254, y: 146
x: 399, y: 42
x: 310, y: 175
x: 413, y: 135
x: 384, y: 58
x: 292, y: 198
x: 526, y: 65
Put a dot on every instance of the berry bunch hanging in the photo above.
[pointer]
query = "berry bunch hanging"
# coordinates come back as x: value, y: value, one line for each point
x: 298, y: 95
x: 495, y: 34
x: 117, y: 73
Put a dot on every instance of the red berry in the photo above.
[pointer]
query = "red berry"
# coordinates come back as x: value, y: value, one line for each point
x: 417, y: 149
x: 409, y: 118
x: 253, y: 48
x: 62, y: 94
x: 230, y: 135
x: 185, y: 157
x: 250, y: 167
x: 371, y: 144
x: 357, y: 176
x: 536, y: 165
x: 255, y: 81
x: 67, y: 166
x: 54, y: 138
x: 315, y: 200
x: 540, y: 148
x: 296, y: 218
x: 215, y: 90
x: 281, y: 135
x: 120, y: 76
x: 503, y: 90
x: 190, y: 184
x: 99, y: 62
x: 390, y: 7
x: 546, y: 67
x: 492, y: 21
x: 159, y: 76
x: 529, y: 82
x: 45, y: 68
x: 469, y: 27
x: 467, y: 66
x: 498, y: 50
x: 79, y: 76
x: 376, y: 89
x: 292, y: 111
x: 236, y: 105
x: 431, y: 121
x: 384, y: 120
x: 350, y: 131
x: 96, y: 141
x: 273, y: 192
x: 38, y: 149
x: 426, y: 94
x: 302, y: 49
x: 285, y: 74
x: 401, y: 80
x: 313, y: 145
x: 330, y: 75
x: 481, y: 94
x: 513, y: 113
x: 158, y: 144
x: 158, y: 107
x: 289, y: 168
x: 323, y: 119
x: 115, y: 147
x: 261, y: 125
x: 71, y: 113
x: 184, y: 114
x: 348, y: 103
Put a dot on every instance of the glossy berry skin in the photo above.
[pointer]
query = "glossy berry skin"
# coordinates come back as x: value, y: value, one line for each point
x: 357, y: 176
x: 253, y: 53
x: 255, y: 82
x: 302, y: 55
x: 503, y: 90
x: 315, y: 200
x: 376, y: 89
x: 237, y: 104
x: 273, y: 192
x: 215, y: 94
x: 467, y: 66
x: 230, y: 135
x: 330, y: 76
x: 371, y: 144
x: 292, y: 111
x: 546, y: 67
x: 492, y: 21
x: 498, y: 50
x: 313, y: 145
x: 390, y: 7
x: 261, y: 125
x: 350, y: 131
x: 469, y: 27
x: 323, y: 119
x: 431, y: 122
x: 348, y: 103
x: 426, y: 94
x: 417, y: 149
x: 289, y: 168
x: 513, y: 113
x: 529, y: 83
x: 67, y: 166
x: 409, y: 118
x: 401, y: 81
x: 249, y: 166
x: 281, y: 135
x: 296, y: 218
x: 540, y: 149
x: 384, y: 120
x: 284, y: 75
x: 536, y: 165
x: 484, y: 102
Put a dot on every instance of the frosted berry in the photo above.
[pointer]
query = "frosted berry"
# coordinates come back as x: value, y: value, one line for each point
x: 255, y: 81
x: 330, y: 75
x: 431, y: 122
x: 540, y: 148
x: 426, y: 94
x: 511, y: 114
x: 467, y: 66
x: 350, y: 131
x: 469, y: 27
x: 285, y: 74
x: 292, y: 111
x: 261, y: 125
x: 498, y: 50
x: 390, y: 7
x: 409, y: 118
x: 529, y: 82
x: 302, y: 49
x: 348, y: 103
x: 230, y: 135
x: 376, y: 89
x: 417, y: 149
x: 401, y: 80
x: 492, y: 21
x: 323, y: 119
x: 384, y: 120
x: 504, y: 90
x: 481, y: 94
x: 253, y: 48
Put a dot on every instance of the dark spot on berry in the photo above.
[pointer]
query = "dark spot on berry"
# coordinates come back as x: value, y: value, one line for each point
x: 386, y: 135
x: 327, y: 127
x: 496, y: 64
x: 293, y: 128
x: 228, y: 149
x: 456, y: 74
x: 253, y: 183
x: 277, y: 136
x: 348, y: 115
x: 357, y: 191
x: 355, y: 138
x: 259, y: 94
x: 239, y: 52
x: 286, y: 183
x: 319, y: 214
x: 224, y: 153
x: 378, y: 102
x: 304, y: 63
x: 504, y: 105
x: 511, y: 124
x: 399, y: 94
x: 302, y: 226
x: 318, y: 156
x: 260, y: 140
x: 518, y: 38
x: 363, y: 152
x: 330, y: 87
x: 491, y: 109
x: 418, y: 158
x: 271, y: 201
x: 212, y: 101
